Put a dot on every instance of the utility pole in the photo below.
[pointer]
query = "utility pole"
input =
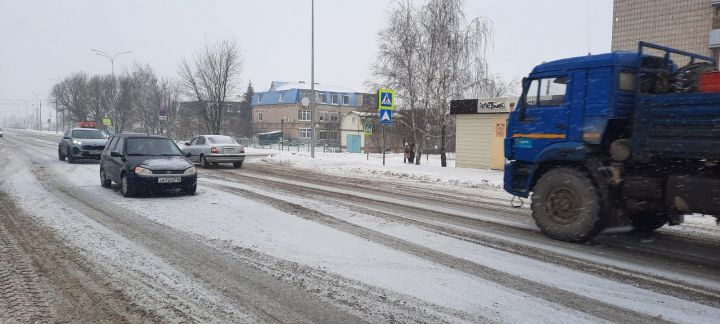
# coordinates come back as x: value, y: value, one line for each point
x: 312, y: 79
x: 111, y: 58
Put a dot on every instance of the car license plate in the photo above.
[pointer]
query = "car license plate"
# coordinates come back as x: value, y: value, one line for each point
x: 95, y: 152
x: 169, y: 180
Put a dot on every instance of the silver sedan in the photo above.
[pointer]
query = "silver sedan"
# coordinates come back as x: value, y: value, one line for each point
x: 215, y: 149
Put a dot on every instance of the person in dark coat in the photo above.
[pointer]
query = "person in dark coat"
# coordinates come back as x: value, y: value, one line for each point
x: 411, y: 158
x: 406, y: 153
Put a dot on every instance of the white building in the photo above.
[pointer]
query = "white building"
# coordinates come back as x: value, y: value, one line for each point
x: 480, y: 134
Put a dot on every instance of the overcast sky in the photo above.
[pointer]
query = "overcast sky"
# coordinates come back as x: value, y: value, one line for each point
x: 43, y: 40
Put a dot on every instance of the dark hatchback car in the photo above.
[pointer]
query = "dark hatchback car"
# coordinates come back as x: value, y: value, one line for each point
x: 142, y: 163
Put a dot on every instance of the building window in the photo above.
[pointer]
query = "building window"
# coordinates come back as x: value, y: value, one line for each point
x: 323, y: 98
x: 304, y: 115
x: 334, y: 99
x: 229, y: 108
x: 259, y: 116
x: 304, y: 132
x: 323, y: 116
x: 333, y: 117
x: 282, y: 97
x: 323, y: 135
x: 260, y: 98
x: 352, y: 121
x: 346, y: 99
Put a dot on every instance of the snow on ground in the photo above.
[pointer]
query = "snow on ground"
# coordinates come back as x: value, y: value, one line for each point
x: 124, y: 260
x: 360, y: 165
x: 252, y: 225
x: 584, y: 284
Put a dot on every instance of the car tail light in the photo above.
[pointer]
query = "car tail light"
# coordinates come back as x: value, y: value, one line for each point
x: 242, y: 150
x: 214, y: 150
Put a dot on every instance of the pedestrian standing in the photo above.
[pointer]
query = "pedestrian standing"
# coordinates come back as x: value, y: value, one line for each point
x: 411, y: 156
x: 406, y: 153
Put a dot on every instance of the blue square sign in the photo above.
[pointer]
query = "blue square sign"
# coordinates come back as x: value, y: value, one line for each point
x: 385, y: 117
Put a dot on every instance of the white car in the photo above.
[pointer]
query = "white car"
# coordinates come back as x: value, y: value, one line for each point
x: 214, y: 149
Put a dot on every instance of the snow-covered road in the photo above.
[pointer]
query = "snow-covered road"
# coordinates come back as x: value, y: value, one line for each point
x: 277, y: 243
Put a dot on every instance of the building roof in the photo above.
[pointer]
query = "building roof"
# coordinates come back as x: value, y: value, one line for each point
x: 302, y: 85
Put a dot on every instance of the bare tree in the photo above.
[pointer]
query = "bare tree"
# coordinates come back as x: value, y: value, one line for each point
x: 100, y: 96
x: 72, y: 94
x: 210, y: 78
x: 428, y: 54
x: 170, y: 101
x: 123, y: 110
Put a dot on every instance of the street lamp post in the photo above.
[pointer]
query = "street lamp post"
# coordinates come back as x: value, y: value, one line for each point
x: 111, y: 58
x: 312, y: 78
x: 39, y: 110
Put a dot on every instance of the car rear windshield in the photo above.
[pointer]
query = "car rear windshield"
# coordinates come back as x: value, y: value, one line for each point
x: 221, y: 140
x: 151, y: 146
x: 88, y: 134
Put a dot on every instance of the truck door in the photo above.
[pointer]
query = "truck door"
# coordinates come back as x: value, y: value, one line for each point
x: 544, y: 117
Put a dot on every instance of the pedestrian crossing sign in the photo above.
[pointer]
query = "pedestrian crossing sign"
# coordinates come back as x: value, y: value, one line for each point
x: 386, y: 99
x: 368, y: 129
x: 385, y: 117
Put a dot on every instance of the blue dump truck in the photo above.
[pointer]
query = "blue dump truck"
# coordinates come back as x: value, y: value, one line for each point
x: 617, y: 139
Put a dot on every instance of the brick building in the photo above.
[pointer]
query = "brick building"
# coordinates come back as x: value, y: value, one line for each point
x: 690, y: 25
x: 280, y: 109
x: 190, y: 123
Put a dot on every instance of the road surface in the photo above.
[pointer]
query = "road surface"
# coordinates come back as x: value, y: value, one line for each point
x: 270, y: 243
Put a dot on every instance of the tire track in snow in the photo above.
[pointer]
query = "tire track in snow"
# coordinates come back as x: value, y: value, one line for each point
x: 434, y: 223
x: 571, y: 300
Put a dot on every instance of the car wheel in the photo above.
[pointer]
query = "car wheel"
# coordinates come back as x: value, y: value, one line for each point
x: 203, y: 162
x: 70, y: 157
x: 104, y: 181
x: 61, y: 156
x: 237, y: 165
x: 190, y: 190
x: 566, y: 205
x: 125, y: 187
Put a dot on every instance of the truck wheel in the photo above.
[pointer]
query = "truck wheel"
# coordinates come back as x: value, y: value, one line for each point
x: 61, y: 156
x: 567, y: 206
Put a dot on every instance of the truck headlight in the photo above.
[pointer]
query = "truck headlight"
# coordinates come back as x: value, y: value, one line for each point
x: 142, y: 171
x: 190, y: 170
x: 76, y: 142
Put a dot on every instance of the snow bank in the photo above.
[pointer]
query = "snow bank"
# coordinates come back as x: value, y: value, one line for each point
x: 364, y: 165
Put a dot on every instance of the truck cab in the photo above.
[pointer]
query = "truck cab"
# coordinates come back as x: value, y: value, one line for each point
x: 586, y: 142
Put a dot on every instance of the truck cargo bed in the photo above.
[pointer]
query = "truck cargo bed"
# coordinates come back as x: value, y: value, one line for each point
x: 682, y: 126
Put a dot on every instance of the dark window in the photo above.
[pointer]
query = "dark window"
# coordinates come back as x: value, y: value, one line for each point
x: 194, y: 141
x: 112, y: 143
x: 547, y: 92
x: 88, y: 134
x: 120, y: 146
x: 151, y: 146
x: 201, y: 140
x: 221, y: 140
